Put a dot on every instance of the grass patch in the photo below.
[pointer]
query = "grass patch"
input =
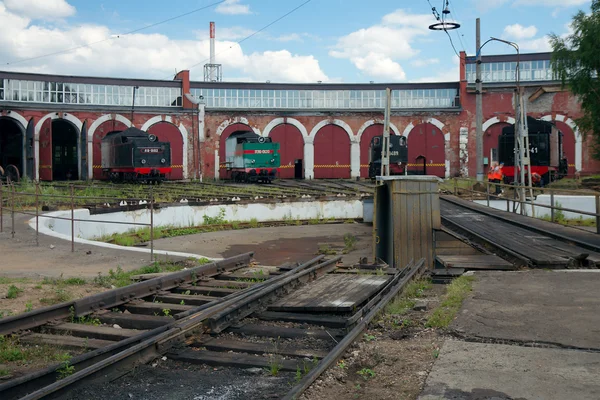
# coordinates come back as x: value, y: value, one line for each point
x: 349, y: 243
x: 326, y: 250
x: 13, y: 353
x: 402, y: 304
x: 120, y: 278
x: 458, y: 291
x: 60, y: 296
x: 6, y: 280
x: 13, y: 292
x: 60, y: 281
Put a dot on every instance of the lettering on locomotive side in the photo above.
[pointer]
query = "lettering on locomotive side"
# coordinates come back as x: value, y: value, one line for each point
x: 151, y: 150
x: 394, y: 153
x: 263, y: 151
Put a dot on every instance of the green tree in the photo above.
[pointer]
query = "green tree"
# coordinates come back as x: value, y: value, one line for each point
x: 576, y: 61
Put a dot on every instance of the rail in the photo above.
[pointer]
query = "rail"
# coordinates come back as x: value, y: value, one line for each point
x: 518, y: 205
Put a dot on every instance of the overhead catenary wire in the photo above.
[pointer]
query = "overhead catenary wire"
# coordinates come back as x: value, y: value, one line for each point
x: 465, y: 45
x: 253, y: 33
x: 117, y: 36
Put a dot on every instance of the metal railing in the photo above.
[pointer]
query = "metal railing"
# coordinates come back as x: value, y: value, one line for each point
x: 9, y: 196
x: 518, y: 205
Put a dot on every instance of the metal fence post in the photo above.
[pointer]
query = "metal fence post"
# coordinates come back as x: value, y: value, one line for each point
x: 552, y: 206
x: 455, y: 187
x: 12, y: 209
x: 151, y: 224
x: 1, y: 207
x: 487, y: 192
x: 37, y: 213
x: 597, y: 214
x: 72, y: 220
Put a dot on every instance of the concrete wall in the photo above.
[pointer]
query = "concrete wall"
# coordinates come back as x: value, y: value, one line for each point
x: 184, y: 215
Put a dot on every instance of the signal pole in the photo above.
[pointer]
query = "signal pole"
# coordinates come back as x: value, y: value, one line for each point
x: 478, y: 105
x: 385, y: 146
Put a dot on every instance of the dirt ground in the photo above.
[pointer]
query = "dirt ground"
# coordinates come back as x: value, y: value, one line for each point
x: 398, y: 350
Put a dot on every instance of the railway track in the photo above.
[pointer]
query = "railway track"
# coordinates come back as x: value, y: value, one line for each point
x: 238, y: 327
x: 524, y: 241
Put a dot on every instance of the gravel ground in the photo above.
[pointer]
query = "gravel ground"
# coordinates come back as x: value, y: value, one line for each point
x: 170, y: 380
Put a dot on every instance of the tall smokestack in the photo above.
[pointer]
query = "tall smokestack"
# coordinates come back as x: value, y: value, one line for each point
x: 212, y: 51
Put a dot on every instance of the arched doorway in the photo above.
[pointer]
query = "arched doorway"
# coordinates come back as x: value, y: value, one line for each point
x: 332, y: 153
x: 102, y: 130
x: 568, y: 145
x: 226, y: 133
x: 65, y: 155
x: 167, y: 132
x: 365, y: 145
x: 12, y: 144
x: 291, y: 150
x: 426, y: 142
x: 490, y: 144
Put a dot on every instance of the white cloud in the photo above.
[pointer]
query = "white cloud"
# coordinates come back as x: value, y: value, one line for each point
x: 376, y: 50
x: 36, y: 9
x: 518, y: 31
x: 448, y: 74
x: 536, y: 45
x: 233, y: 7
x: 282, y: 66
x: 138, y: 55
x: 551, y: 3
x: 424, y: 62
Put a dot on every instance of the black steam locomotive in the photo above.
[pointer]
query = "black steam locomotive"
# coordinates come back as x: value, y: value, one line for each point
x: 398, y: 155
x: 134, y: 156
x: 545, y: 151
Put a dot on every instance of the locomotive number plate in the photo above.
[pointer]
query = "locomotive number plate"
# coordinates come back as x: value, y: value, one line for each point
x: 393, y: 153
x: 151, y: 150
x: 262, y: 151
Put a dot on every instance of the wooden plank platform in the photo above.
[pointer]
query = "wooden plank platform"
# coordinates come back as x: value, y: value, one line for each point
x: 338, y: 293
x: 93, y: 332
x: 66, y: 342
x: 543, y: 251
x: 217, y: 359
x: 133, y: 321
x: 481, y: 261
x: 282, y: 332
x: 258, y: 348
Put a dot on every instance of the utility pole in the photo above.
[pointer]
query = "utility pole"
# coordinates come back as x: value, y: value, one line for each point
x: 385, y: 146
x: 478, y: 105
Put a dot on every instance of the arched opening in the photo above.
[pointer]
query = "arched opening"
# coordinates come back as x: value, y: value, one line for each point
x: 167, y: 132
x: 568, y: 143
x: 332, y: 153
x: 65, y: 157
x: 365, y: 144
x: 427, y: 141
x: 101, y: 131
x: 12, y: 140
x: 291, y: 150
x: 490, y: 144
x: 226, y: 133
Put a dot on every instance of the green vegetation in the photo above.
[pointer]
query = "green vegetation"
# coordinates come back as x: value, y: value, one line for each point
x: 6, y: 280
x: 402, y: 304
x: 13, y: 292
x: 368, y: 337
x: 275, y: 366
x: 120, y: 278
x: 326, y: 250
x: 60, y: 296
x: 366, y: 373
x: 63, y: 282
x: 66, y: 369
x: 575, y: 61
x: 458, y: 291
x: 13, y: 353
x: 349, y: 243
x: 218, y: 220
x: 28, y: 306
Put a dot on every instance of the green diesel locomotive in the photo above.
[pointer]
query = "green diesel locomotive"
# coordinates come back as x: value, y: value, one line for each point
x: 251, y: 158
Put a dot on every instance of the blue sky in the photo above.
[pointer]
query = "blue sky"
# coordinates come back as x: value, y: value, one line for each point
x: 327, y: 40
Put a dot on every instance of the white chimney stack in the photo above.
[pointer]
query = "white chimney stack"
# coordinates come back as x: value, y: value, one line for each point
x: 212, y: 51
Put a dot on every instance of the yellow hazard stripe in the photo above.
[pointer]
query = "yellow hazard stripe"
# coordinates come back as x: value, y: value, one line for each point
x: 46, y: 166
x: 427, y: 165
x: 332, y: 166
x: 172, y: 166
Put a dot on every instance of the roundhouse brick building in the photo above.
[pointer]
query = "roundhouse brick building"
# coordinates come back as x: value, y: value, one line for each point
x: 51, y: 126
